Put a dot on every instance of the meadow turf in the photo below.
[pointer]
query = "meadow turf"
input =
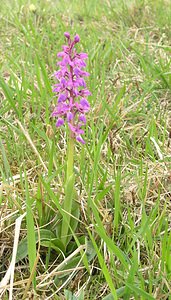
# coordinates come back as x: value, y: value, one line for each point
x: 122, y: 246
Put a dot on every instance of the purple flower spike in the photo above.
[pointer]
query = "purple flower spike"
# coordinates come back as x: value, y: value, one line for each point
x: 70, y: 89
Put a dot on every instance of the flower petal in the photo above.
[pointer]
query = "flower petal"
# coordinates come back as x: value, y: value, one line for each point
x: 85, y: 104
x: 59, y: 122
x: 70, y: 116
x: 82, y: 118
x: 75, y: 129
x: 80, y: 139
x: 62, y: 97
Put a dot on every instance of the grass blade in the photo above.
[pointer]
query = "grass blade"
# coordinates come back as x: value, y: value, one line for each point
x: 31, y: 240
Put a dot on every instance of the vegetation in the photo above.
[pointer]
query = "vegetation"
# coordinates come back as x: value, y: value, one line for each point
x: 122, y: 246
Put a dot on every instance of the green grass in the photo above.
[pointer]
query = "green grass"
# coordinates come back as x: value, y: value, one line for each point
x: 121, y: 249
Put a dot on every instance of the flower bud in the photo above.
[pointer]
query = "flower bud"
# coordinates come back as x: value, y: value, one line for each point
x: 76, y: 39
x: 67, y: 35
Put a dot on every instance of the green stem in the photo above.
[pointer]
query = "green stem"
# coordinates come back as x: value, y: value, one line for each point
x: 70, y: 161
x: 69, y: 187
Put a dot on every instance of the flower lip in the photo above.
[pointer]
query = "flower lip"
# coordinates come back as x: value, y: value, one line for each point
x: 76, y: 129
x: 82, y: 118
x: 61, y: 98
x: 61, y: 110
x: 85, y: 93
x: 61, y: 54
x: 85, y: 104
x: 80, y: 139
x: 82, y: 55
x: 59, y: 122
x: 70, y: 116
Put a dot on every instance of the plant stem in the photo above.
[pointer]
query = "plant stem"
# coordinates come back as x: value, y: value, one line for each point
x: 70, y: 161
x: 69, y: 187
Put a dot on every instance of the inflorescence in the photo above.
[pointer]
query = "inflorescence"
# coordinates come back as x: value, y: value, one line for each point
x: 72, y: 103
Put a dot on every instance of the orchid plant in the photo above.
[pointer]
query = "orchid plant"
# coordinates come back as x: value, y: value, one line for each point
x: 71, y: 108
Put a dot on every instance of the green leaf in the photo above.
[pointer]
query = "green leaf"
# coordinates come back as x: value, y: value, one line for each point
x: 168, y: 254
x: 90, y: 251
x: 31, y: 240
x: 67, y: 205
x: 75, y: 212
x: 103, y: 193
x: 55, y: 244
x: 104, y: 268
x: 109, y: 242
x: 22, y: 251
x: 81, y: 295
x: 117, y: 200
x: 9, y: 94
x: 120, y: 292
x: 140, y: 292
x: 69, y: 265
x: 108, y: 297
x: 69, y: 296
x: 5, y: 161
x: 131, y: 274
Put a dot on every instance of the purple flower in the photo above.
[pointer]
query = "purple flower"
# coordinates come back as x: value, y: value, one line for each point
x: 61, y: 110
x: 82, y: 118
x: 76, y: 129
x: 71, y: 90
x: 59, y: 122
x: 82, y: 55
x: 80, y: 139
x: 78, y: 72
x: 83, y: 106
x: 85, y: 93
x: 70, y: 116
x: 62, y: 97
